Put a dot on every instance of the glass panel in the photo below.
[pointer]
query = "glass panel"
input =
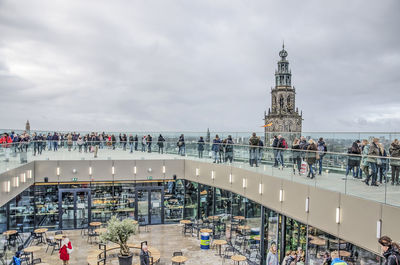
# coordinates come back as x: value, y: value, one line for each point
x: 173, y: 200
x: 206, y: 201
x: 82, y: 206
x: 67, y: 204
x: 271, y: 235
x: 156, y: 206
x: 22, y: 211
x: 191, y: 197
x: 222, y: 202
x: 102, y: 201
x: 143, y: 205
x: 46, y: 200
x: 124, y: 196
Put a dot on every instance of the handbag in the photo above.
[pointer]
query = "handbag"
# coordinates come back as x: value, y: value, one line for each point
x: 70, y: 250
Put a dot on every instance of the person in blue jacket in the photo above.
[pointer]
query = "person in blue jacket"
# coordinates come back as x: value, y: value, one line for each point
x: 17, y: 258
x: 336, y: 259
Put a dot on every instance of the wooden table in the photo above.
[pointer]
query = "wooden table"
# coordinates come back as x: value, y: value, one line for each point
x: 257, y: 238
x: 214, y: 218
x: 219, y: 244
x: 342, y: 253
x: 59, y: 237
x: 10, y: 232
x: 185, y: 222
x: 100, y: 230
x: 205, y: 230
x: 179, y: 259
x: 237, y: 259
x: 32, y: 249
x: 134, y: 222
x: 318, y: 242
x: 95, y: 224
x: 239, y: 217
x: 40, y: 231
x: 243, y: 227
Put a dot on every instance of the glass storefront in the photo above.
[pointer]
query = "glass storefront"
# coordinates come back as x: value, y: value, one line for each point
x: 169, y: 202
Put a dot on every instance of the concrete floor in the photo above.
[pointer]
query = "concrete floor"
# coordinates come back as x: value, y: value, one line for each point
x: 166, y: 238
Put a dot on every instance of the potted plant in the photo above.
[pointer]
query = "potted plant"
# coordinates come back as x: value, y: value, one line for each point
x: 119, y: 232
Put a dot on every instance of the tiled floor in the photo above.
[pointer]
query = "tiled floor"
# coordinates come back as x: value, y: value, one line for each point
x: 166, y: 238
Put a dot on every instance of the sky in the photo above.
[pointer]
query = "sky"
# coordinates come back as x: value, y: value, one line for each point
x: 191, y: 65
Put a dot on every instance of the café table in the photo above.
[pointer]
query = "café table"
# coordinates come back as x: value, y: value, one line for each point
x: 32, y: 249
x: 95, y: 224
x: 206, y: 230
x: 219, y: 243
x: 179, y: 259
x: 100, y: 230
x: 40, y: 232
x: 59, y: 237
x: 237, y: 259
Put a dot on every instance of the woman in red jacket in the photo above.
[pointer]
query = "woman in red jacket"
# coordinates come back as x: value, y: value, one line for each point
x: 65, y: 250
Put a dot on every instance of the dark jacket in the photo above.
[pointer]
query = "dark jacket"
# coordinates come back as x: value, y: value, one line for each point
x: 200, y: 145
x: 275, y: 143
x: 311, y: 155
x: 160, y: 141
x: 394, y: 151
x: 354, y: 158
x: 392, y: 256
x: 144, y: 258
x: 216, y: 144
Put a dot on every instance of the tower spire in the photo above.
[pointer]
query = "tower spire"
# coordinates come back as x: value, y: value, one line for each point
x: 283, y: 44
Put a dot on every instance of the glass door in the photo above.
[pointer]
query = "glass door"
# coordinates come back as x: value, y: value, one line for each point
x: 150, y: 205
x: 75, y: 208
x: 156, y: 211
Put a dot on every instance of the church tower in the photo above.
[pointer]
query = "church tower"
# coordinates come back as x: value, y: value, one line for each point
x: 283, y: 116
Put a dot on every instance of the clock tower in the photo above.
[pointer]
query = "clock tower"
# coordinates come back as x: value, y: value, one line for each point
x: 283, y: 116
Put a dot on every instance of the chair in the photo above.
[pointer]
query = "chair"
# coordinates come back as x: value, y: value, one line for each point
x: 188, y: 228
x: 103, y: 256
x: 3, y: 255
x: 85, y: 226
x: 177, y: 253
x: 91, y: 236
x: 143, y: 243
x: 142, y: 223
x: 228, y: 253
x: 34, y: 237
x: 51, y: 243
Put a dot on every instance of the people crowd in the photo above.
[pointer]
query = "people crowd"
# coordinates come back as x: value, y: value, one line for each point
x: 369, y: 159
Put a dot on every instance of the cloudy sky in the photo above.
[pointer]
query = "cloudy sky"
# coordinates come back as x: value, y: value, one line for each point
x: 187, y: 65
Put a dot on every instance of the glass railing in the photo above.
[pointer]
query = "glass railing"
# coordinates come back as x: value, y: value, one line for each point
x: 341, y: 172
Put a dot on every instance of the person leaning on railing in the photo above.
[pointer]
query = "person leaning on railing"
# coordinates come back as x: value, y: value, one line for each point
x: 394, y: 152
x: 372, y: 162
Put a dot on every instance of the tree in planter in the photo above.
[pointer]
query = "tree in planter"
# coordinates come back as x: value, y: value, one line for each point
x: 119, y: 232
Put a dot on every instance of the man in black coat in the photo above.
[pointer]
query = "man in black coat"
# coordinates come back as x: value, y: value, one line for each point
x: 144, y: 256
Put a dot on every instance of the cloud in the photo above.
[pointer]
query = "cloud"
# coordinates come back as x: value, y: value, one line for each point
x: 189, y: 65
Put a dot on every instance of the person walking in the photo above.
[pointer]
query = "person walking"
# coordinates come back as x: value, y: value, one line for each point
x: 160, y: 143
x: 65, y: 249
x: 311, y: 158
x: 390, y: 250
x: 394, y: 152
x: 200, y: 146
x: 253, y: 142
x: 322, y: 149
x: 373, y: 153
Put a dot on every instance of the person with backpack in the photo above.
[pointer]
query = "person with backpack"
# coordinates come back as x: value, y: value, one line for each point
x: 65, y: 249
x: 254, y: 142
x: 282, y: 145
x: 321, y: 146
x: 390, y: 250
